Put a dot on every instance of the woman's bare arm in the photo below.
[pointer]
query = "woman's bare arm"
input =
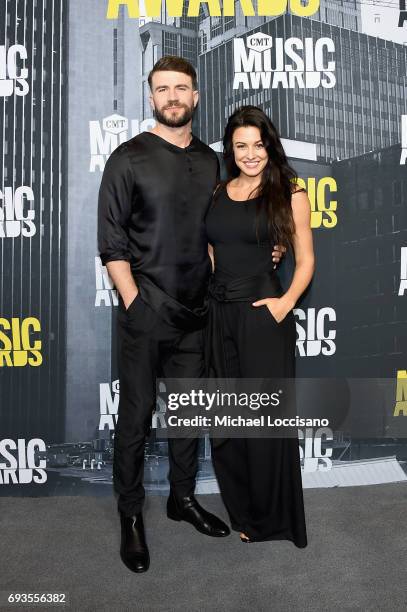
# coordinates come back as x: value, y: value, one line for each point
x: 304, y: 259
x: 303, y: 248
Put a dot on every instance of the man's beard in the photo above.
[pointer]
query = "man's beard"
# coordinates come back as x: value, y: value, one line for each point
x: 178, y: 121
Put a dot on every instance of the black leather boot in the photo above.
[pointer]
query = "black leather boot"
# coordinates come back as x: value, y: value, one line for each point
x: 133, y: 549
x: 187, y: 509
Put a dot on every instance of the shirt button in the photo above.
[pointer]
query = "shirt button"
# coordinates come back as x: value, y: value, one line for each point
x: 190, y: 169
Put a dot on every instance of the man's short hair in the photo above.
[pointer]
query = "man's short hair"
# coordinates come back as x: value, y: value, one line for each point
x: 175, y: 64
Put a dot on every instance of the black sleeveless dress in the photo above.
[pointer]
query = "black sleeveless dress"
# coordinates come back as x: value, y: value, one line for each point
x: 259, y: 478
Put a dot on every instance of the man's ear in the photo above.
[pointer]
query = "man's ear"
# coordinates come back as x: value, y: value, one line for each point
x: 150, y: 99
x: 195, y: 94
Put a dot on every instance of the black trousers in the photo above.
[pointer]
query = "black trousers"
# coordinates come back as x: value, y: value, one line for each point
x: 149, y: 347
x: 259, y: 479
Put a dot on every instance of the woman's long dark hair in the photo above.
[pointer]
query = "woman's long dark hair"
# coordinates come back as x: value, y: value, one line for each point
x: 278, y: 178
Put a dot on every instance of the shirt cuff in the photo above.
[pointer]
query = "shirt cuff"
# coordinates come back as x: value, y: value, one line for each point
x: 118, y: 256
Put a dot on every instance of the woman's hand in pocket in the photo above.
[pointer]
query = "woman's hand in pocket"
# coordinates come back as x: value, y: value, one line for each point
x: 278, y: 307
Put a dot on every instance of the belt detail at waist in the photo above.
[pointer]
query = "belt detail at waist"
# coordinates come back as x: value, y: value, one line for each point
x: 245, y: 288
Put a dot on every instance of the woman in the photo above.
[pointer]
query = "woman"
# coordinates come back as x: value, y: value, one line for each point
x: 253, y: 328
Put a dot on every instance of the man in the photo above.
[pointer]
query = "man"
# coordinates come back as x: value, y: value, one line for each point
x: 155, y: 191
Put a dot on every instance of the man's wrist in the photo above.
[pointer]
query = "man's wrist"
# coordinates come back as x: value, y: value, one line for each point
x: 129, y: 296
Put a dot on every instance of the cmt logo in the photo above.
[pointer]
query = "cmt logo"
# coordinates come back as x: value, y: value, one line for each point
x: 401, y: 394
x: 19, y: 342
x: 264, y: 62
x: 14, y: 220
x: 259, y: 42
x: 108, y: 404
x: 105, y: 292
x: 12, y: 75
x: 313, y: 336
x: 403, y: 271
x: 323, y: 207
x: 107, y: 135
x: 312, y: 457
x: 20, y: 462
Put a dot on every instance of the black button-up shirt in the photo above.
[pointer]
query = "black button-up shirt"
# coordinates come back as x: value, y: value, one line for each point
x: 152, y: 203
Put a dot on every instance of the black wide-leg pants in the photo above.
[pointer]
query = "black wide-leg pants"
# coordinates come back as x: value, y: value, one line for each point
x: 149, y: 348
x: 259, y: 479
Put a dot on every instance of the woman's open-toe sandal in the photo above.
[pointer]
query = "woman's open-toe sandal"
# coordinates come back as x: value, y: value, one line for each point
x: 246, y: 540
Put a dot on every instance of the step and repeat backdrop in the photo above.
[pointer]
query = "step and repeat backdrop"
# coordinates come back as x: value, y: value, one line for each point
x: 73, y: 85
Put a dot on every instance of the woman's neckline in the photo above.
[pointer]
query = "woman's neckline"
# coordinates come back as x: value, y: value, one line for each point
x: 240, y: 201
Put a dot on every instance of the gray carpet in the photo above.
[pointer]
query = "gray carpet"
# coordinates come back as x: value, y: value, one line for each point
x: 356, y: 558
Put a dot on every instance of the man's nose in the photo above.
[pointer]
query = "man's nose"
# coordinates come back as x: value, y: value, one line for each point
x: 172, y: 95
